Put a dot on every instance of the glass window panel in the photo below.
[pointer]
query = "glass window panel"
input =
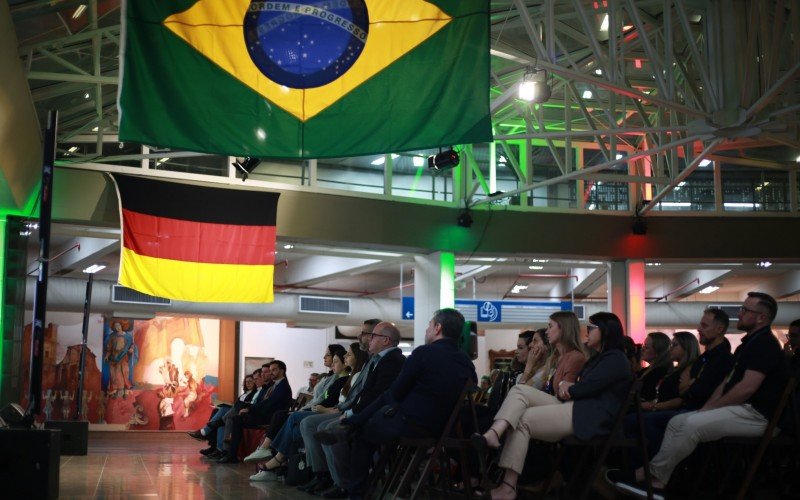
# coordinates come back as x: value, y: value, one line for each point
x: 358, y: 173
x: 605, y: 195
x: 293, y: 172
x: 751, y: 189
x: 696, y: 193
x: 205, y: 165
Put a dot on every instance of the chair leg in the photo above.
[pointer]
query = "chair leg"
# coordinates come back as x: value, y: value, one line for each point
x: 397, y: 468
x: 550, y: 477
x: 413, y: 466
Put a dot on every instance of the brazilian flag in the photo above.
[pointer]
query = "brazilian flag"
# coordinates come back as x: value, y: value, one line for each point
x: 305, y: 78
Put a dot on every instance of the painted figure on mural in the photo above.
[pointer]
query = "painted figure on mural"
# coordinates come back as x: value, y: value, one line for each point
x: 191, y: 393
x: 121, y: 354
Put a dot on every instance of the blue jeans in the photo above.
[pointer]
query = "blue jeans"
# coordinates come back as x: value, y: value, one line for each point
x: 289, y: 434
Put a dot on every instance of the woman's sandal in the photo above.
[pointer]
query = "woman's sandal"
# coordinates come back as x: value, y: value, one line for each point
x: 488, y: 493
x: 479, y: 442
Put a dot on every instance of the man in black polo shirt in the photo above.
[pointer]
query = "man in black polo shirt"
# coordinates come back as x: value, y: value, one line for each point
x: 742, y: 404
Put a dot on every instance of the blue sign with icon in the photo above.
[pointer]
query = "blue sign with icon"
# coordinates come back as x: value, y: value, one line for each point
x: 497, y: 311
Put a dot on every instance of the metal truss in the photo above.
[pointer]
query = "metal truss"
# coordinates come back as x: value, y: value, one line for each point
x: 644, y: 92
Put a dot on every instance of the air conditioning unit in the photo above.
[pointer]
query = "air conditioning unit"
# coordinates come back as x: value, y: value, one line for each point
x: 324, y: 305
x: 124, y: 295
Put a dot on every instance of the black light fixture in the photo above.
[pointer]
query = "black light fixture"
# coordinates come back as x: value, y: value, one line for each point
x: 639, y: 226
x: 534, y: 86
x: 246, y: 165
x: 465, y: 218
x: 444, y: 160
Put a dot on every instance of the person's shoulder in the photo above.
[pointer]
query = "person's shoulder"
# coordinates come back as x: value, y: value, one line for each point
x: 574, y: 356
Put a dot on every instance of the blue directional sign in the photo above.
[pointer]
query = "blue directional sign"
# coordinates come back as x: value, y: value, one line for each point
x: 497, y: 311
x: 408, y: 308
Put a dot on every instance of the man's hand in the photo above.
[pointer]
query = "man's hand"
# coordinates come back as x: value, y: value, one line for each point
x: 243, y: 411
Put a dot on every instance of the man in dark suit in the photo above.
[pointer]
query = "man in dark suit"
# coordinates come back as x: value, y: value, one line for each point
x: 278, y: 397
x: 332, y: 458
x: 419, y: 401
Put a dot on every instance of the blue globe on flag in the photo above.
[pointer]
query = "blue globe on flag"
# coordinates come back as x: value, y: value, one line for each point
x: 305, y: 44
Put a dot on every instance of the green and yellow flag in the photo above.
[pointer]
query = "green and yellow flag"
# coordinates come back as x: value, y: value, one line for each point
x: 305, y: 78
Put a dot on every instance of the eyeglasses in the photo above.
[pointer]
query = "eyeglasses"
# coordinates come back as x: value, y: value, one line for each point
x: 743, y: 310
x: 379, y: 335
x: 590, y: 326
x: 365, y: 333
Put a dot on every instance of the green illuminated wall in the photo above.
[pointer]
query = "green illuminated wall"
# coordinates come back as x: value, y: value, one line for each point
x: 13, y: 249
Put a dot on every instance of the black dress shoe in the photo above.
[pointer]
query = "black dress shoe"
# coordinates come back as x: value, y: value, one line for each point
x: 309, y: 485
x: 227, y: 459
x: 196, y: 435
x: 334, y: 492
x: 208, y: 451
x: 324, y: 484
x: 217, y: 454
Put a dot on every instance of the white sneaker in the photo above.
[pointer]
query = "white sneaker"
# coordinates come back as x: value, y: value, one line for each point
x: 264, y: 475
x: 259, y: 455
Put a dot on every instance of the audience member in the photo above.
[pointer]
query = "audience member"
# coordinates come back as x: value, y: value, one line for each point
x: 633, y: 352
x: 683, y: 350
x: 740, y: 406
x: 419, y: 401
x: 309, y: 389
x: 288, y: 437
x: 536, y: 369
x: 656, y: 353
x: 249, y: 389
x: 330, y: 462
x: 705, y: 374
x: 792, y: 346
x: 278, y: 397
x: 585, y: 408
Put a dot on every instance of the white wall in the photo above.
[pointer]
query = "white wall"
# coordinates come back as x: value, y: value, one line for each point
x: 301, y: 349
x: 70, y: 327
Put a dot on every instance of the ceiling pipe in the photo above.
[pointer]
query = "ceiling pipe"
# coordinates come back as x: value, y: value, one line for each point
x: 678, y: 289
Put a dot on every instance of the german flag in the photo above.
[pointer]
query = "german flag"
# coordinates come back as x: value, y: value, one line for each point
x: 194, y: 243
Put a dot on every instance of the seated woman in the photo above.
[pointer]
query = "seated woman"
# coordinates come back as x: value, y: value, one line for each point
x: 585, y: 408
x: 656, y: 352
x: 289, y: 435
x: 669, y: 401
x: 317, y: 397
x: 537, y: 365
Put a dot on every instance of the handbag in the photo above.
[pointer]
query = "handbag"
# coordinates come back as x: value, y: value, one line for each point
x: 298, y: 471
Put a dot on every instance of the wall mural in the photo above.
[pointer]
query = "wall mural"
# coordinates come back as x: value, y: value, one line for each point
x: 157, y: 374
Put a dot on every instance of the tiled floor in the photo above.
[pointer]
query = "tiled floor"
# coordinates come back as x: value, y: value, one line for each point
x: 158, y: 465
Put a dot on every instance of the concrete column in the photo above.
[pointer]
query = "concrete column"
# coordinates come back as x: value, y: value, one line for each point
x: 626, y: 293
x: 434, y: 288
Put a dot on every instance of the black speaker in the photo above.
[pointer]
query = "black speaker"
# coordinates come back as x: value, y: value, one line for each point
x: 29, y: 463
x: 74, y: 435
x: 13, y: 415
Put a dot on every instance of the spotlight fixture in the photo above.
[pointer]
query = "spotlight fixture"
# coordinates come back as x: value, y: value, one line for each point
x: 246, y: 165
x: 639, y: 226
x: 534, y: 87
x: 443, y: 160
x: 465, y: 219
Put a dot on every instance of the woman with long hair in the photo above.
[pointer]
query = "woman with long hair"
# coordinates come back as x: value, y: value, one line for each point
x: 655, y: 352
x: 355, y: 359
x: 683, y: 350
x: 536, y: 365
x: 584, y: 408
x: 289, y: 432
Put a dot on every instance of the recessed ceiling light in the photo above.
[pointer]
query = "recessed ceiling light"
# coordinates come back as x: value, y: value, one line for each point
x: 378, y: 161
x: 94, y: 268
x: 536, y: 268
x: 587, y: 94
x: 709, y: 289
x: 288, y: 246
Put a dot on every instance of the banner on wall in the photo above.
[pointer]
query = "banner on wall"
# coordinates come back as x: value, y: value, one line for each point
x: 196, y: 243
x: 305, y: 79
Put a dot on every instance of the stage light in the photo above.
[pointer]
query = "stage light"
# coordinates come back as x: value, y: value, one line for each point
x: 534, y: 87
x: 246, y: 165
x: 465, y: 219
x: 444, y: 160
x: 639, y: 226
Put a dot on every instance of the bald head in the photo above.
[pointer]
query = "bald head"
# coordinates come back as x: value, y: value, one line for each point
x: 384, y: 336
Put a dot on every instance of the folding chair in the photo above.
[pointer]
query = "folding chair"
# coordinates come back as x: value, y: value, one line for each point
x: 407, y: 457
x: 768, y: 439
x: 604, y: 444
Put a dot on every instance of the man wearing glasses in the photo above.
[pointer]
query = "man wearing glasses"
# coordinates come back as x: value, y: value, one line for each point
x: 330, y: 460
x: 740, y: 406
